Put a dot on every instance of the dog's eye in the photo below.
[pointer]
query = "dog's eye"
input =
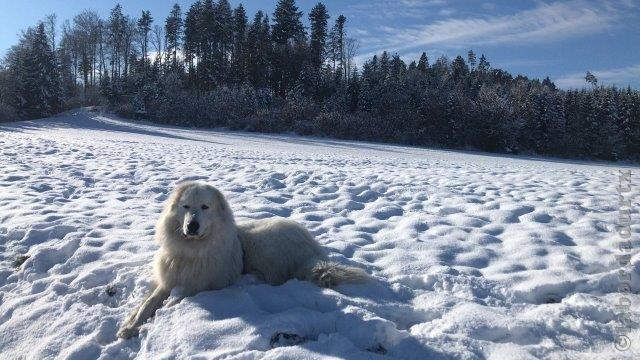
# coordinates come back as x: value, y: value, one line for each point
x: 186, y: 206
x: 204, y: 207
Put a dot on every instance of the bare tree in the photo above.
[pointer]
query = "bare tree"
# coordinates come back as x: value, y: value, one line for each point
x: 86, y: 30
x: 102, y: 38
x: 69, y: 45
x: 156, y: 40
x: 352, y: 46
x: 591, y: 79
x: 129, y: 35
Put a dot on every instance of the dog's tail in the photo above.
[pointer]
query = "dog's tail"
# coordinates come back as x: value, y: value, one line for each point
x: 329, y: 274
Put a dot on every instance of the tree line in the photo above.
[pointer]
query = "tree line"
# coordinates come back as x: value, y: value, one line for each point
x: 213, y: 66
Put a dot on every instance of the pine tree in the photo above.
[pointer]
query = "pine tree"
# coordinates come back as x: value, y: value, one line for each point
x: 116, y: 33
x: 206, y: 32
x: 318, y: 18
x: 259, y: 51
x: 287, y: 26
x: 459, y: 69
x: 224, y: 30
x: 288, y: 36
x: 192, y: 41
x: 239, y: 54
x: 384, y: 67
x: 144, y: 26
x: 471, y: 59
x: 173, y: 34
x: 483, y: 65
x: 36, y: 77
x: 423, y: 63
x: 337, y: 39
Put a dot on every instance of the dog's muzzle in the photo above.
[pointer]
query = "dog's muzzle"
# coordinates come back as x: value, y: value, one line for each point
x: 192, y: 228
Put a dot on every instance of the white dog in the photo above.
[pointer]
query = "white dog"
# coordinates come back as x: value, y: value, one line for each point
x: 202, y: 248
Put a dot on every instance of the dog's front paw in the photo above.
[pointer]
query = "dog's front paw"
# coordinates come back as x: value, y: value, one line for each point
x: 127, y: 332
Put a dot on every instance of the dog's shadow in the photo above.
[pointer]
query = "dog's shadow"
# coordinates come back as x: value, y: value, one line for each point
x: 355, y: 321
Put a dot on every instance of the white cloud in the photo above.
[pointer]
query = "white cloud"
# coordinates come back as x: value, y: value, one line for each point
x: 619, y: 76
x: 544, y: 23
x: 447, y: 12
x: 386, y: 10
x: 488, y: 6
x: 420, y: 3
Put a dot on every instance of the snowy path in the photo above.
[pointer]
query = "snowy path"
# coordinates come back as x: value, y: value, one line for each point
x: 476, y: 256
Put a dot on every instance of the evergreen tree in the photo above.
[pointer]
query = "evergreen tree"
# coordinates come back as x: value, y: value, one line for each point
x: 459, y: 69
x: 144, y: 26
x: 173, y: 34
x: 239, y: 54
x: 224, y: 30
x: 288, y: 36
x: 483, y: 65
x: 471, y: 59
x: 116, y: 27
x: 259, y: 51
x: 337, y: 46
x: 423, y: 63
x: 192, y: 41
x: 318, y: 18
x: 287, y: 26
x: 36, y: 78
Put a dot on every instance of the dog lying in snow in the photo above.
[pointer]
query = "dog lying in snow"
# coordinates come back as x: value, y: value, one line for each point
x: 202, y: 248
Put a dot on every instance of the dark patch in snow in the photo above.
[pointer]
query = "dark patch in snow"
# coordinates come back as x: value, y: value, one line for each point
x: 20, y: 259
x: 111, y: 290
x: 551, y: 299
x: 281, y: 339
x: 378, y: 349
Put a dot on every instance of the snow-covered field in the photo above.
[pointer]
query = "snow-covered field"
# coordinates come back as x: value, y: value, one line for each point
x: 474, y: 256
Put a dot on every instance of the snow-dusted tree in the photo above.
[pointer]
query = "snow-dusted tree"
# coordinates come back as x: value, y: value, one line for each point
x: 318, y: 18
x: 259, y: 51
x: 338, y: 46
x: 289, y: 47
x: 35, y: 75
x: 471, y: 59
x: 239, y: 49
x: 144, y: 27
x: 192, y: 40
x: 116, y: 28
x: 173, y: 34
x: 423, y: 63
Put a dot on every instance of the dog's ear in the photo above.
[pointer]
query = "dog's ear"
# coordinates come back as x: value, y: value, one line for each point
x: 219, y: 200
x: 175, y: 196
x: 221, y: 204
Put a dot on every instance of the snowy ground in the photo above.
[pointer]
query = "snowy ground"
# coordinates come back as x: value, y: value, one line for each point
x: 475, y: 256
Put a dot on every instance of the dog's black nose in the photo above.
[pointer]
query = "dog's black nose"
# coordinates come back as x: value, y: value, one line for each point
x: 192, y: 227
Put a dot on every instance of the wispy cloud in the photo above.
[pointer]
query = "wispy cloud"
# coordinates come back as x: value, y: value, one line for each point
x: 620, y: 76
x: 544, y: 23
x: 386, y: 10
x: 447, y: 12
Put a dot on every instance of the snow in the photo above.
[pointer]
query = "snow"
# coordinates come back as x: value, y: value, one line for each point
x: 473, y: 255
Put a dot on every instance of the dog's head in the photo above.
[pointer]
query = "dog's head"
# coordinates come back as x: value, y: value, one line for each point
x: 194, y: 211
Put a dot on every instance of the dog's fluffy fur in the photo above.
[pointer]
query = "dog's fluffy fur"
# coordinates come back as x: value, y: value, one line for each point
x: 219, y: 251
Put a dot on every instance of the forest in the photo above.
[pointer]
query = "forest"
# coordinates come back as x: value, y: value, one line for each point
x: 212, y: 65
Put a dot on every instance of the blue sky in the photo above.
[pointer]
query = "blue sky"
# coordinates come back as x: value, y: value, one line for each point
x: 560, y: 39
